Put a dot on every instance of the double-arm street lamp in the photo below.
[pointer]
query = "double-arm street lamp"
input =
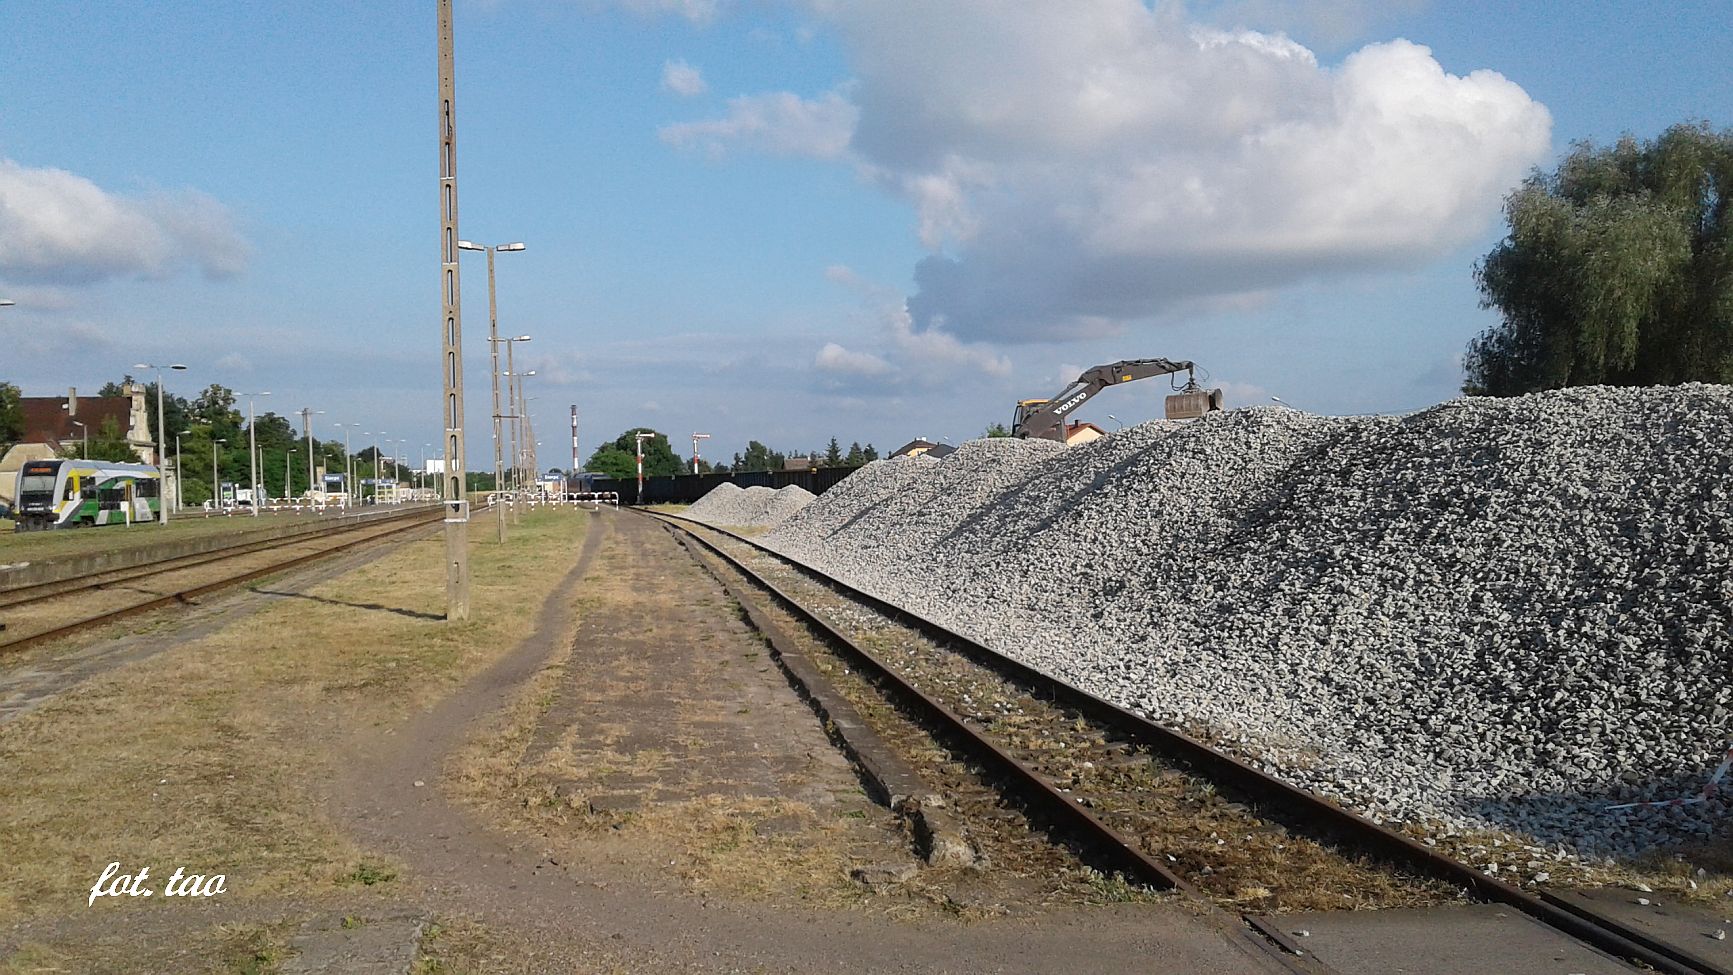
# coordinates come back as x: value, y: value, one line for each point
x: 161, y: 430
x: 493, y: 346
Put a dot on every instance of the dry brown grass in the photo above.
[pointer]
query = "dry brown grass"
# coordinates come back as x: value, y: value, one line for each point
x: 212, y: 754
x: 15, y: 546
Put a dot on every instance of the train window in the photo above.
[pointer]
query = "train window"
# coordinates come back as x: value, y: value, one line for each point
x: 88, y: 492
x: 145, y: 488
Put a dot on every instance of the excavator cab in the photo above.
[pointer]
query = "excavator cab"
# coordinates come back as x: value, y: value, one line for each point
x: 1025, y: 409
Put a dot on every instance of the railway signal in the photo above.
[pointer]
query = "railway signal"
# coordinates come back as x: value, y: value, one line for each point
x: 695, y: 438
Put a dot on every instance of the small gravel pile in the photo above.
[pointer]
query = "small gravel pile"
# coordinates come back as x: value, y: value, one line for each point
x: 753, y: 507
x: 1493, y: 613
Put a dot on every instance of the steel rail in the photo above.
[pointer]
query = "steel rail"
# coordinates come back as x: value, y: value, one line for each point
x: 185, y: 595
x: 246, y: 545
x: 1114, y: 851
x: 1580, y: 922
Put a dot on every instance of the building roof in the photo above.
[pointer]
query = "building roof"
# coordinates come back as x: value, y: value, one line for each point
x: 940, y: 451
x: 914, y: 446
x: 1071, y: 428
x: 46, y: 419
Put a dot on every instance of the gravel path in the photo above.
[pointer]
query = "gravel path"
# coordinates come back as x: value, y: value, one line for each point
x: 1494, y: 613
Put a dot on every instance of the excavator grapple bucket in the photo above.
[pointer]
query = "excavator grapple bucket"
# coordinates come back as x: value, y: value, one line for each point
x: 1193, y: 403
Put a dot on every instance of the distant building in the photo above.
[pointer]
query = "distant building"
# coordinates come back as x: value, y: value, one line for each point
x: 797, y: 464
x: 914, y: 448
x: 1081, y: 433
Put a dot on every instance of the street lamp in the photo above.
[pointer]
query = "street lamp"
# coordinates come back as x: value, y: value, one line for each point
x: 695, y: 438
x: 1116, y: 419
x: 493, y: 348
x: 252, y: 449
x: 7, y: 302
x: 161, y: 430
x: 216, y: 486
x: 1284, y: 404
x: 84, y: 435
x: 179, y: 470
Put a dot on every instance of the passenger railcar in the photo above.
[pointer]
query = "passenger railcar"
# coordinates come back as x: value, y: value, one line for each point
x: 74, y: 493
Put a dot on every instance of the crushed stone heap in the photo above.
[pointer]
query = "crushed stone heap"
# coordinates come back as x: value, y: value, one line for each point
x: 1504, y: 613
x: 755, y: 507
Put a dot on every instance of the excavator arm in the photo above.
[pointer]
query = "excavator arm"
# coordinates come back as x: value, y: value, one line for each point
x: 1046, y: 418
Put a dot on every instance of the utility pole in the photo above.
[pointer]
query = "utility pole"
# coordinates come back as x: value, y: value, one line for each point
x: 451, y: 334
x: 493, y: 341
x: 252, y: 450
x: 695, y: 438
x: 307, y: 414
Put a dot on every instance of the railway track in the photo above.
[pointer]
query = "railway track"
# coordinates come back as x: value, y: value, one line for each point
x: 1160, y: 807
x: 34, y: 614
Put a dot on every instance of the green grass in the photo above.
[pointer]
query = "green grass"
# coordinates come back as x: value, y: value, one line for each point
x: 16, y: 546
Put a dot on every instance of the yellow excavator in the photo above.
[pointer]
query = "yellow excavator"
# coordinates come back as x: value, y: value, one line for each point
x: 1045, y: 418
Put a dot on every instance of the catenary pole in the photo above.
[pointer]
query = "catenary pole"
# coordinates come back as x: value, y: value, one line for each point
x: 451, y: 333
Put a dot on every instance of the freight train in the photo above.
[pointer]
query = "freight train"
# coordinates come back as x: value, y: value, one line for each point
x: 74, y: 493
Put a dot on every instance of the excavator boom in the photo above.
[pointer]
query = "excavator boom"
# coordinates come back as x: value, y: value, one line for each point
x: 1046, y: 418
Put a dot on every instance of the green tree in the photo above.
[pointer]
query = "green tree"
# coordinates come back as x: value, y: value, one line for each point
x: 758, y: 457
x: 833, y: 454
x: 996, y: 430
x: 1618, y: 269
x: 619, y: 457
x: 11, y: 415
x: 870, y: 452
x: 855, y: 456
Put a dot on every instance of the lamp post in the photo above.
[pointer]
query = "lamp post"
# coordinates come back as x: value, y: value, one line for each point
x: 7, y: 302
x: 641, y: 437
x: 525, y: 436
x: 451, y: 333
x: 1117, y: 420
x: 493, y: 348
x: 252, y: 449
x: 161, y: 430
x: 83, y: 435
x: 216, y: 485
x: 695, y: 438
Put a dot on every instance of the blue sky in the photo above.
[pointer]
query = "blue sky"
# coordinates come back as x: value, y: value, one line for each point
x: 799, y: 219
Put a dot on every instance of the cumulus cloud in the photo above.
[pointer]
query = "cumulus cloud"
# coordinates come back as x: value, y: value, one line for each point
x: 835, y: 358
x: 1078, y: 165
x: 779, y: 123
x: 683, y: 79
x: 904, y: 355
x: 58, y: 226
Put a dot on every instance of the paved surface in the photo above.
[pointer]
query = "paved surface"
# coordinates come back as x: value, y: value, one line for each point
x: 354, y: 945
x: 1663, y: 918
x: 1442, y: 941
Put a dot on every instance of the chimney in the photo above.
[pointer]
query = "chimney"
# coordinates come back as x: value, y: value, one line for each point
x: 71, y: 401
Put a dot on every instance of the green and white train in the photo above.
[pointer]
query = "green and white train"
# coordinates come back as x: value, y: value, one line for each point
x: 74, y: 493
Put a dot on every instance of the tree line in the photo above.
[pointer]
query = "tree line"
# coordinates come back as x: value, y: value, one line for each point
x: 618, y: 458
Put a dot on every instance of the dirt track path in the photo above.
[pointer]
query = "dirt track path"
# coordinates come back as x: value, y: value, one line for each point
x: 602, y: 912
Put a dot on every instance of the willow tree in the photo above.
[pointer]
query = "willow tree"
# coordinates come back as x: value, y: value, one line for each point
x: 1618, y: 269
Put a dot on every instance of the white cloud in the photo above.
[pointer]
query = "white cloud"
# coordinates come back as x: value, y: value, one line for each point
x: 57, y: 226
x: 835, y: 358
x: 905, y: 355
x: 1079, y: 165
x: 683, y: 79
x: 779, y: 123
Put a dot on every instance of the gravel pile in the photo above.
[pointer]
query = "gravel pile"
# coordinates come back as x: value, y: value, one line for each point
x: 753, y: 507
x: 1494, y: 613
